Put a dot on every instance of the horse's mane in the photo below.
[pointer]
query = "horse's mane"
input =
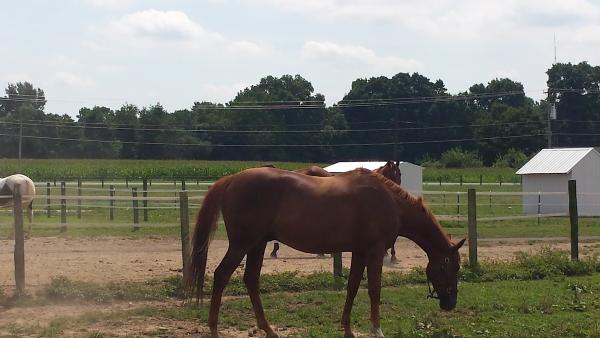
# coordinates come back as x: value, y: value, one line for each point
x: 402, y: 195
x: 398, y: 191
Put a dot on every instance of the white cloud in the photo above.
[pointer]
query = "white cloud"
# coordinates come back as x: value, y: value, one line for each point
x: 162, y: 25
x: 589, y: 34
x: 15, y: 77
x: 357, y: 54
x: 154, y: 28
x: 222, y: 92
x: 73, y: 80
x: 246, y: 47
x: 462, y: 19
x: 112, y: 4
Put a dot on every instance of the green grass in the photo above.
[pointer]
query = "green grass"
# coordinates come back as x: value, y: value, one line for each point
x: 48, y: 169
x: 44, y: 169
x: 471, y: 175
x: 564, y: 307
x: 536, y: 294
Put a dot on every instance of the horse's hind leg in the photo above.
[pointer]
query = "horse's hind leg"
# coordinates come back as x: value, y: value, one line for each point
x: 275, y: 249
x: 30, y: 215
x: 230, y: 262
x: 357, y: 268
x: 254, y: 261
x: 393, y: 259
x: 374, y: 266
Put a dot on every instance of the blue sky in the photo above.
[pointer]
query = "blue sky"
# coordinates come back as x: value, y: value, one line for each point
x: 109, y: 52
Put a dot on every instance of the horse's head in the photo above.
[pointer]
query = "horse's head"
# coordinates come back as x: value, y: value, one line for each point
x: 442, y: 272
x: 391, y: 171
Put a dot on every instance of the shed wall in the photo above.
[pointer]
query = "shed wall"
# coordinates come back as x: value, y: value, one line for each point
x: 545, y: 183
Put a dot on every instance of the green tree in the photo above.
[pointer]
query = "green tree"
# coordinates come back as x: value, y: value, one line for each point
x: 98, y: 139
x: 125, y: 123
x: 22, y: 106
x: 386, y: 103
x: 575, y: 90
x: 505, y: 118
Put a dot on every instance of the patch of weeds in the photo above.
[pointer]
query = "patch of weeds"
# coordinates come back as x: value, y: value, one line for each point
x: 64, y: 289
x: 54, y: 329
x: 95, y: 335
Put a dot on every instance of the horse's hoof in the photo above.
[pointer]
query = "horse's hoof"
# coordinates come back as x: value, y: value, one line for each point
x: 273, y: 255
x: 393, y: 259
x: 349, y: 334
x: 377, y: 333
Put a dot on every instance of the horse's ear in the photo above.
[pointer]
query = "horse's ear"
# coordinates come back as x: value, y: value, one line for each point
x: 389, y: 163
x: 398, y: 163
x: 459, y: 244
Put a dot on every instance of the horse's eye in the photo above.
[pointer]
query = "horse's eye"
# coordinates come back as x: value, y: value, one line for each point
x: 447, y: 260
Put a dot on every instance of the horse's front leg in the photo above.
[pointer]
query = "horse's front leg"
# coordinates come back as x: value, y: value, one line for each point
x: 357, y: 268
x: 374, y: 267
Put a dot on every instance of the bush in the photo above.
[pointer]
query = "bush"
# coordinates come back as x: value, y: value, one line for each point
x: 458, y: 158
x: 513, y: 158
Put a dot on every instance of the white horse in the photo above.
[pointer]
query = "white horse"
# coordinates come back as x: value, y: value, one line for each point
x: 27, y: 189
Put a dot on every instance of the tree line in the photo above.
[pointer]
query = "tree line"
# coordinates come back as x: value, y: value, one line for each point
x: 406, y: 117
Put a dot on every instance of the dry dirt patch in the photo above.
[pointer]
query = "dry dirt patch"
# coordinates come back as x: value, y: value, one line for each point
x: 117, y: 259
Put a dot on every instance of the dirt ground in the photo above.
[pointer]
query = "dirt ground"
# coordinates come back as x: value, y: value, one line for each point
x: 117, y: 259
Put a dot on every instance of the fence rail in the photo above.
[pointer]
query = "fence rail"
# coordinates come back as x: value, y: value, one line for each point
x: 470, y: 207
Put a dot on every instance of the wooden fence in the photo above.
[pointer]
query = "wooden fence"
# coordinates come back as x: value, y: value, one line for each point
x: 182, y: 203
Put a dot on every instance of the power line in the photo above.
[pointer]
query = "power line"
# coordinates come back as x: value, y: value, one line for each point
x: 321, y: 105
x: 220, y: 131
x: 278, y: 145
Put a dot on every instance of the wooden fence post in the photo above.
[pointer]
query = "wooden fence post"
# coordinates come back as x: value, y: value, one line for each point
x: 337, y: 264
x: 573, y: 216
x: 102, y: 179
x: 145, y: 201
x: 472, y: 227
x: 185, y: 232
x: 183, y: 185
x: 136, y: 211
x: 19, y: 255
x: 63, y: 206
x: 111, y: 202
x: 79, y: 198
x: 48, y: 210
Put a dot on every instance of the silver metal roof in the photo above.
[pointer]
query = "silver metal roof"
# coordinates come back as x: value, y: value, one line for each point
x: 555, y: 161
x: 342, y: 167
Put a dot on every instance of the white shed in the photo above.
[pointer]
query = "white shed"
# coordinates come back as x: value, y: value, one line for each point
x: 412, y: 174
x: 550, y: 170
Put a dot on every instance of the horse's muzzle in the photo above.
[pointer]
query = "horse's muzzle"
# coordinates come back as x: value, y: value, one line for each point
x: 448, y: 302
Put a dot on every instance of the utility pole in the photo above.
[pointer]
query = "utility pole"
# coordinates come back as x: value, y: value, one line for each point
x: 549, y: 125
x: 20, y: 142
x: 550, y: 116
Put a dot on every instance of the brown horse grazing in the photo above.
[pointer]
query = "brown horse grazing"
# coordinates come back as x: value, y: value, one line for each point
x: 390, y: 170
x: 359, y: 211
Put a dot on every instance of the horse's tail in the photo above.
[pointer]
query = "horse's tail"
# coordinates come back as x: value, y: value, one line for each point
x: 206, y: 224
